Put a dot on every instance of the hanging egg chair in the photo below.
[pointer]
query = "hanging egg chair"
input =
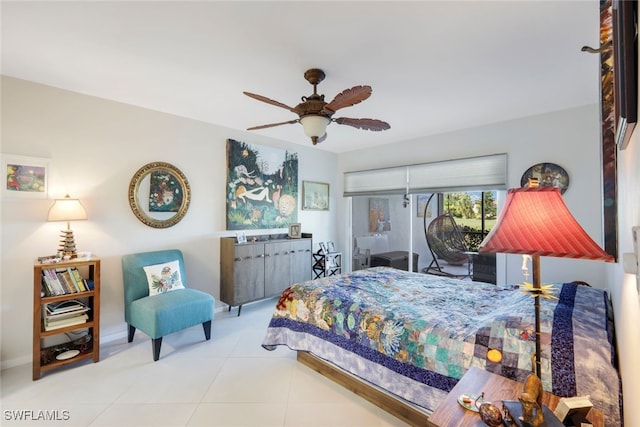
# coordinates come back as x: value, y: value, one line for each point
x: 445, y: 242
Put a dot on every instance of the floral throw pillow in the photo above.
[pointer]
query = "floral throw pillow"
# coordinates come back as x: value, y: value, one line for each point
x: 164, y: 277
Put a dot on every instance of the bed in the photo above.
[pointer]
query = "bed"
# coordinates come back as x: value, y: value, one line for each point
x: 412, y: 336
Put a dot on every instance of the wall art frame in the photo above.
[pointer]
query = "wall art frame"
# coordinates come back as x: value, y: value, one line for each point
x: 25, y: 177
x: 315, y: 196
x: 548, y: 175
x: 422, y: 203
x: 262, y: 186
x: 295, y: 230
x: 145, y: 196
x: 609, y: 147
x: 379, y: 215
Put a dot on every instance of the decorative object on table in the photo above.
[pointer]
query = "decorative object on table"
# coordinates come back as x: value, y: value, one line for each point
x: 531, y: 398
x: 548, y: 175
x: 573, y: 409
x: 25, y: 177
x: 315, y: 114
x: 295, y: 230
x: 536, y: 221
x: 323, y: 248
x: 262, y: 186
x: 513, y: 416
x: 315, y: 196
x: 241, y: 237
x: 67, y: 209
x: 471, y: 402
x: 159, y: 195
x: 490, y: 414
x: 67, y: 354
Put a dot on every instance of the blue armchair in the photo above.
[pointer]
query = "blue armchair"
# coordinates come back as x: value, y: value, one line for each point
x: 166, y: 312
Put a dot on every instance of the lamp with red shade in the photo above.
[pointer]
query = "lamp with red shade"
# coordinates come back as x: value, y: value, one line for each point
x: 535, y: 221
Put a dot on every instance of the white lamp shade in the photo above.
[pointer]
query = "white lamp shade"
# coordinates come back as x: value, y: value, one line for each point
x: 67, y: 209
x: 314, y: 125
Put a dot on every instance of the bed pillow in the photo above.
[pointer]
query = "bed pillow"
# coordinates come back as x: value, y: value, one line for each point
x: 163, y: 278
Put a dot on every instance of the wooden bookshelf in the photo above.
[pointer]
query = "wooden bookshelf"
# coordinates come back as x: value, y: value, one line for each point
x: 47, y: 357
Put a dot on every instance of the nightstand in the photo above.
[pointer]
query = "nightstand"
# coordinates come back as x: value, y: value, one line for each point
x: 496, y: 389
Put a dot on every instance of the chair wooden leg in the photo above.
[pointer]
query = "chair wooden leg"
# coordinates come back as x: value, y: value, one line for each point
x: 132, y: 331
x: 156, y: 343
x: 207, y: 329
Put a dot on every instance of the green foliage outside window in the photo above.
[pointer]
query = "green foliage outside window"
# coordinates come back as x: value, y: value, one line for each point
x: 466, y: 208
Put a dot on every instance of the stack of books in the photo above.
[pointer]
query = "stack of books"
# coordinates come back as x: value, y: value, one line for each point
x: 63, y: 314
x: 62, y: 281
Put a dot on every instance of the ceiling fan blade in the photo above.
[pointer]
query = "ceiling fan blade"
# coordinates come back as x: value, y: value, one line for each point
x: 270, y: 125
x: 269, y: 101
x: 349, y: 97
x: 366, y: 124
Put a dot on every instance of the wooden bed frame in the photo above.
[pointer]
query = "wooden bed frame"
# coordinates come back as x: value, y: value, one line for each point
x: 405, y: 411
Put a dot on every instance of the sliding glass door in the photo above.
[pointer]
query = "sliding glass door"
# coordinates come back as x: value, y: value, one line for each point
x: 394, y: 230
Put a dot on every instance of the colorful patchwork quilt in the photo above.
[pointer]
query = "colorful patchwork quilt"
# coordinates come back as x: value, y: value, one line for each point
x: 416, y: 335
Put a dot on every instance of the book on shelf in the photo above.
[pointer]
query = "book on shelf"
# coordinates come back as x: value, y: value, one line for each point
x: 63, y: 281
x: 62, y: 311
x: 47, y: 289
x: 79, y: 279
x: 52, y: 280
x: 65, y: 306
x: 71, y: 278
x: 63, y: 323
x: 574, y: 408
x: 62, y: 316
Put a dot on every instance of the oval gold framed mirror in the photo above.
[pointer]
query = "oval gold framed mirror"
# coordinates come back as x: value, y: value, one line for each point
x: 159, y: 194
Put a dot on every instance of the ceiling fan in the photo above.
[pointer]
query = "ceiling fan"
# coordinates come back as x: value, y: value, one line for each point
x: 315, y: 114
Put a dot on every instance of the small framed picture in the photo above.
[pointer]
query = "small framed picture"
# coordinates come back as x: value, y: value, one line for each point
x: 331, y: 248
x: 241, y: 237
x: 295, y: 230
x: 315, y: 196
x: 25, y: 177
x: 323, y: 248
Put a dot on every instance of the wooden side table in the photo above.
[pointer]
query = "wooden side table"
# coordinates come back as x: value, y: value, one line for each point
x: 496, y: 389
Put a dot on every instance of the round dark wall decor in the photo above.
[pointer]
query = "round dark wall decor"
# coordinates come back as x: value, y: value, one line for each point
x: 548, y: 174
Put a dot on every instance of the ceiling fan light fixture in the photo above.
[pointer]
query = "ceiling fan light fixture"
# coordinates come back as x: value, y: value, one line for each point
x: 315, y: 114
x: 314, y: 125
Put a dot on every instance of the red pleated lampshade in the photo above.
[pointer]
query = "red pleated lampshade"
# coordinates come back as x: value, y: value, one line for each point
x: 536, y: 221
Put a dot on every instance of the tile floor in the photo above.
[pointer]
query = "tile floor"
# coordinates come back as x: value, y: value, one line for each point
x: 227, y: 381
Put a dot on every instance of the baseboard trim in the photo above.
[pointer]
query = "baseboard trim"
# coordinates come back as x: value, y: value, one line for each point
x: 104, y: 339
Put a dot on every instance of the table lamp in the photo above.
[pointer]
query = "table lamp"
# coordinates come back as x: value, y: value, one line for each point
x: 535, y: 221
x: 67, y: 209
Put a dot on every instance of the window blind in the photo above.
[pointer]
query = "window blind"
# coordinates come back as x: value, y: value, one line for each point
x: 472, y: 173
x: 376, y: 181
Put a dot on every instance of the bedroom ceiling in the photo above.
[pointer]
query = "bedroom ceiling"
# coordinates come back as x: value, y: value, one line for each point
x: 435, y: 66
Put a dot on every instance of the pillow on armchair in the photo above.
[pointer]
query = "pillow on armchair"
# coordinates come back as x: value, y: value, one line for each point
x: 163, y: 277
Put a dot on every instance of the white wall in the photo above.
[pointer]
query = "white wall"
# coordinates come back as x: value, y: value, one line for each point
x: 95, y: 147
x: 623, y: 287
